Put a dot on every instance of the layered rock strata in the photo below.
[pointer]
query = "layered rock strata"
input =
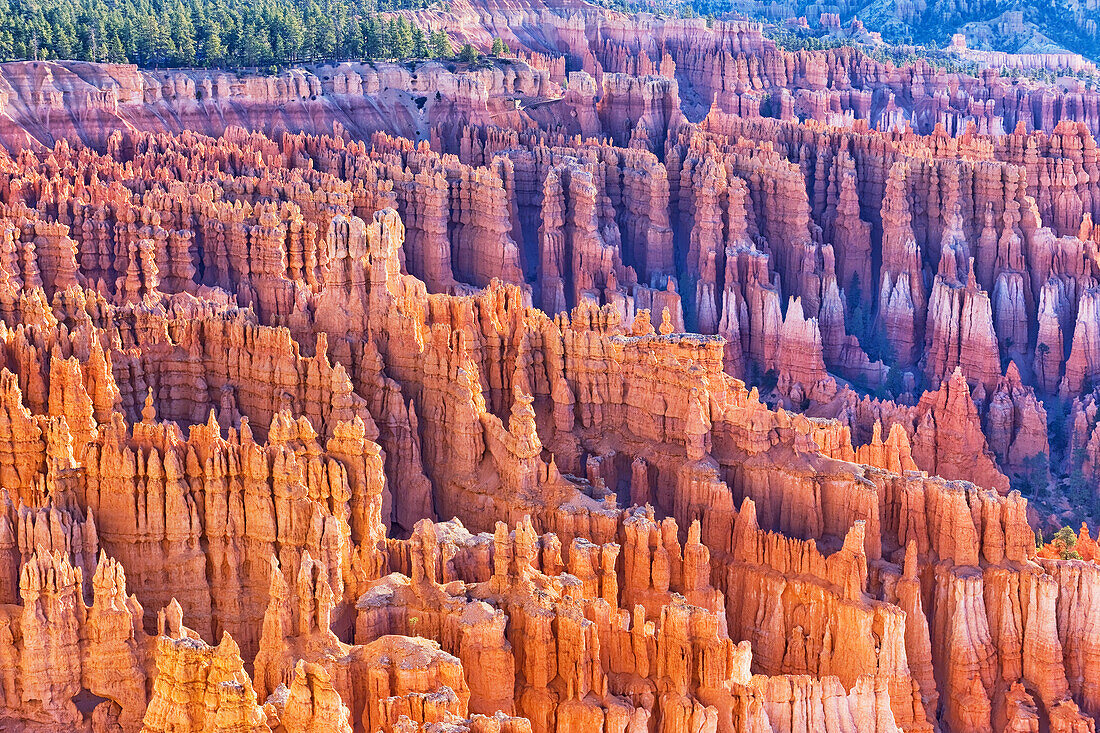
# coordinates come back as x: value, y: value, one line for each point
x: 619, y: 399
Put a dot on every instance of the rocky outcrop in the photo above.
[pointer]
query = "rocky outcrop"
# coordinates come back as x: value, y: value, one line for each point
x: 507, y: 398
x: 799, y: 362
x: 199, y: 687
x: 948, y: 438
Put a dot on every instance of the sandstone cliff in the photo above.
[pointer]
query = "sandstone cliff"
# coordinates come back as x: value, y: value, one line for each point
x: 685, y: 401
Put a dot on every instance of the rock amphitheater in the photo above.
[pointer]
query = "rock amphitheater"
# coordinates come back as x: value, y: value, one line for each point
x: 534, y: 396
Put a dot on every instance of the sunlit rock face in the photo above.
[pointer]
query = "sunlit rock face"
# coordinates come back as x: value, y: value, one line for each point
x: 653, y: 379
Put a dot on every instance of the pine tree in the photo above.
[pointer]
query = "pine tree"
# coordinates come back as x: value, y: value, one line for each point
x: 293, y: 36
x: 500, y: 48
x: 183, y: 36
x: 213, y: 33
x: 213, y: 51
x: 92, y: 41
x: 255, y: 47
x: 420, y: 43
x: 440, y: 45
x: 468, y: 54
x: 1064, y: 541
x: 161, y: 47
x: 402, y: 39
x: 115, y: 52
x: 373, y: 42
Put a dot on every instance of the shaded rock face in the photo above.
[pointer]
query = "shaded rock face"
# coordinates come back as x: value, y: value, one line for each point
x: 645, y: 404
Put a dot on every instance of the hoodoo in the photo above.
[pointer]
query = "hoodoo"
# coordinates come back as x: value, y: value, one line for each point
x: 582, y: 372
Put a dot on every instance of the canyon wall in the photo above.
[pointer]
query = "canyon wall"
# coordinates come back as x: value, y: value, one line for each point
x: 655, y: 379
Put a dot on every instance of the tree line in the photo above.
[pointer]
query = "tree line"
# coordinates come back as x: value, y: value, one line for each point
x: 213, y: 33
